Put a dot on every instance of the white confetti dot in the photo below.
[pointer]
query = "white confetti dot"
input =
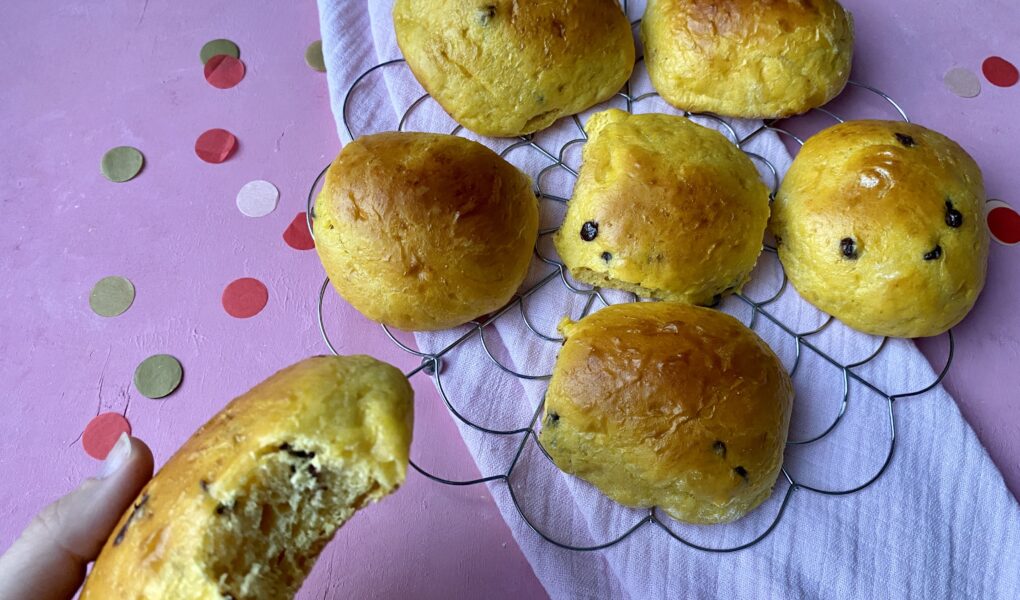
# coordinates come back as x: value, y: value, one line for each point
x: 962, y: 82
x: 257, y: 198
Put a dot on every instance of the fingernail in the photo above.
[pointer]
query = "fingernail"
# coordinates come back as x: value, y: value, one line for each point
x: 117, y: 457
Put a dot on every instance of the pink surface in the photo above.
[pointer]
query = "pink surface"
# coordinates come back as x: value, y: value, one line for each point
x: 83, y: 77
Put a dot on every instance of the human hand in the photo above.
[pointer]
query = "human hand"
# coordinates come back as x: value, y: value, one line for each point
x: 48, y: 561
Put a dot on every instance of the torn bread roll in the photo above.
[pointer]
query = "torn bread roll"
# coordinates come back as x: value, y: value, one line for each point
x: 247, y: 504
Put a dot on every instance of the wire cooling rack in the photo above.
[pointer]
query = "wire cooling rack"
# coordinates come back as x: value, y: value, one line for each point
x: 759, y: 309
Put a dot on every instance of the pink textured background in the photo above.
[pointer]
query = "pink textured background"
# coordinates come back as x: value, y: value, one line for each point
x: 80, y: 77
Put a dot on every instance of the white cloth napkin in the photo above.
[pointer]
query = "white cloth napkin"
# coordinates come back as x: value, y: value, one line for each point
x: 939, y: 523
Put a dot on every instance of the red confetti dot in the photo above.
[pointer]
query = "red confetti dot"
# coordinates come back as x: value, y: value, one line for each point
x: 215, y: 146
x: 1004, y: 224
x: 223, y: 71
x: 102, y: 433
x: 1000, y: 71
x: 245, y: 298
x: 297, y: 235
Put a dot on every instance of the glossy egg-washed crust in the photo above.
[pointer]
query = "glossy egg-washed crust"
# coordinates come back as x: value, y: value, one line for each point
x: 880, y: 224
x: 669, y: 405
x: 351, y: 415
x: 664, y: 208
x: 425, y: 231
x: 512, y: 67
x: 748, y: 58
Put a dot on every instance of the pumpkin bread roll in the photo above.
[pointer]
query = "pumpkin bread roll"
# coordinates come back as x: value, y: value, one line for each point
x: 669, y: 405
x: 506, y: 68
x: 748, y: 58
x: 664, y: 208
x: 425, y: 231
x: 880, y: 224
x: 246, y: 505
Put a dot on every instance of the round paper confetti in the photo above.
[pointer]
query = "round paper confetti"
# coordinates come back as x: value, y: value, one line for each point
x: 962, y: 82
x: 111, y: 296
x: 257, y: 198
x: 313, y: 56
x: 245, y: 298
x: 215, y: 146
x: 223, y: 71
x: 297, y: 235
x: 999, y: 71
x: 158, y: 376
x: 102, y: 433
x: 121, y: 164
x: 1003, y: 222
x: 217, y: 48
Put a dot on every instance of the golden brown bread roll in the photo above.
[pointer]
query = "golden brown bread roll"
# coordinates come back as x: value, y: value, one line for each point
x: 506, y: 67
x: 425, y: 231
x: 664, y: 208
x: 246, y: 505
x: 669, y: 405
x: 880, y: 224
x: 748, y: 58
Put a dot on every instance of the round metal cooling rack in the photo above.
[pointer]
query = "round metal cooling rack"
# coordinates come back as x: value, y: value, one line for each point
x: 431, y: 362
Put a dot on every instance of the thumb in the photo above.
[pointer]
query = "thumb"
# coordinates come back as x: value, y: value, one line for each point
x: 48, y: 561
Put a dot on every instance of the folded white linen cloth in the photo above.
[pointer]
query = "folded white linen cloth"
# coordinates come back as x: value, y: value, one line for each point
x: 938, y: 522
